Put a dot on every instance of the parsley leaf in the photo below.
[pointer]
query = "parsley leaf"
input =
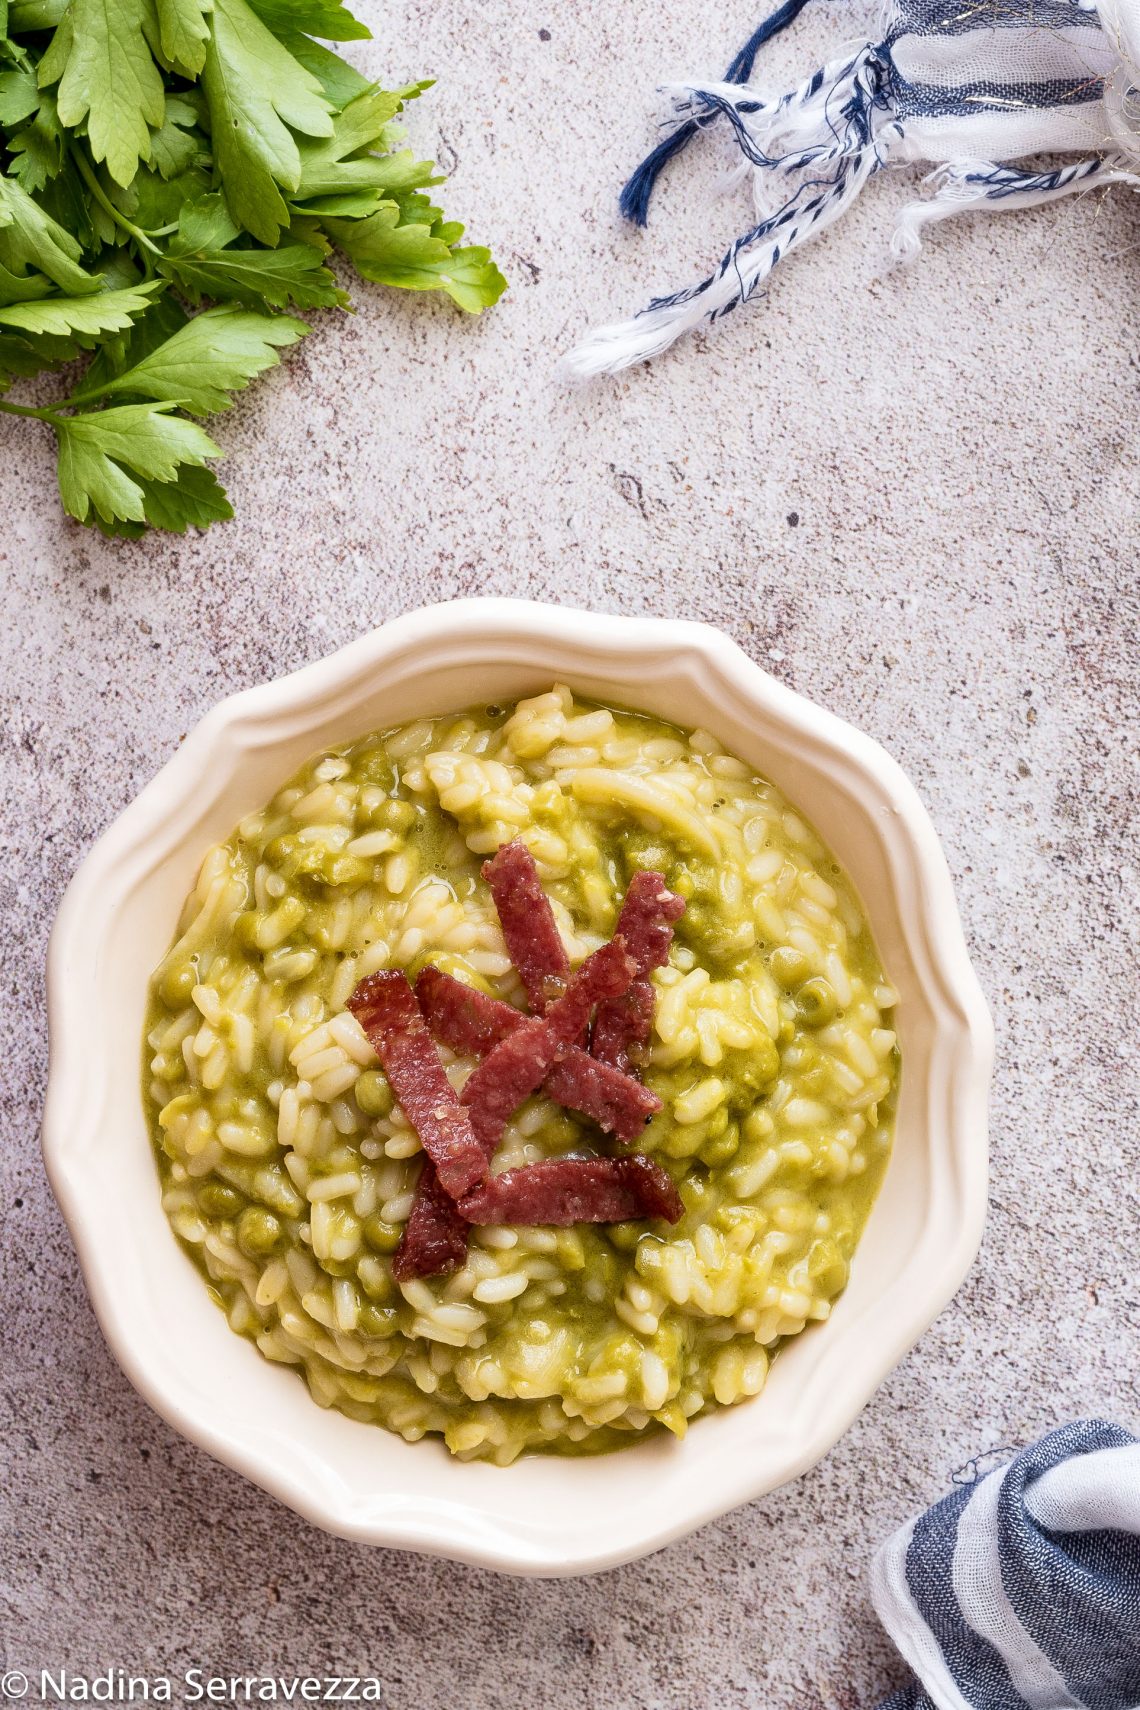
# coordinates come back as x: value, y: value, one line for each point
x: 20, y: 358
x: 174, y: 174
x: 218, y: 352
x: 205, y: 262
x: 256, y: 90
x: 22, y: 287
x: 416, y: 258
x: 100, y: 454
x: 202, y: 225
x: 19, y: 95
x: 292, y: 273
x: 101, y: 57
x: 329, y: 19
x: 101, y: 312
x: 175, y: 146
x: 117, y: 352
x: 194, y: 499
x: 29, y: 237
x: 339, y: 81
x: 344, y: 161
x: 183, y: 33
x: 38, y: 149
x: 26, y: 15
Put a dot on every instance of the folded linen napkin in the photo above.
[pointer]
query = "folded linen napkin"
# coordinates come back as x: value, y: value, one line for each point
x: 967, y: 86
x: 1023, y: 1587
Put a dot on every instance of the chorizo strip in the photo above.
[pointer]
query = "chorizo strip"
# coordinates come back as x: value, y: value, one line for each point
x: 622, y: 1025
x: 529, y: 928
x: 563, y: 1191
x: 469, y: 1020
x: 434, y: 1238
x: 385, y: 1006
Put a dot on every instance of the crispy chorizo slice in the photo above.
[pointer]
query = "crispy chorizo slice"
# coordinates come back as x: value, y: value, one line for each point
x: 529, y: 928
x: 622, y: 1025
x: 385, y: 1006
x: 435, y: 1236
x: 506, y: 1076
x: 520, y: 1063
x: 576, y: 1190
x: 469, y: 1020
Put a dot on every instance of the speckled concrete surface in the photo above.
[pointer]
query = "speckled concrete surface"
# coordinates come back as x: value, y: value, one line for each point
x: 913, y: 496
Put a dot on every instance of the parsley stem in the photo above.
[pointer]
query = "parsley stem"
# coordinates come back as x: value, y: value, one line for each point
x: 44, y: 415
x: 86, y: 395
x: 109, y: 207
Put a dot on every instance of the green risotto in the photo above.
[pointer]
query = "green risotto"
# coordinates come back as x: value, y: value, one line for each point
x: 288, y: 1170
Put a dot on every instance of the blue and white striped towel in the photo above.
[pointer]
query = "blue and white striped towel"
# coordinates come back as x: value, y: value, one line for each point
x: 1023, y: 1589
x: 964, y: 85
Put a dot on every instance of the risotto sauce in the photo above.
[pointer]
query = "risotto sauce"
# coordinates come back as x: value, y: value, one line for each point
x: 289, y: 1171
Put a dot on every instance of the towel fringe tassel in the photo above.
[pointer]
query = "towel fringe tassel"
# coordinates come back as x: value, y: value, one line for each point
x: 809, y: 152
x: 964, y: 186
x: 825, y: 140
x: 636, y: 194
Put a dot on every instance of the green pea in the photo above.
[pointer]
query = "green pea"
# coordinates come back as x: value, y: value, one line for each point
x: 816, y: 1002
x: 177, y: 984
x: 710, y: 933
x: 718, y: 1149
x: 379, y: 1288
x: 381, y: 1237
x: 752, y: 1073
x: 335, y: 1163
x: 218, y: 1200
x: 693, y: 876
x: 373, y: 1094
x: 377, y: 1320
x: 788, y: 967
x: 258, y: 1232
x: 338, y: 1267
x: 375, y: 767
x: 642, y: 852
x: 397, y: 815
x: 625, y: 1236
x: 571, y: 1251
x: 681, y: 1140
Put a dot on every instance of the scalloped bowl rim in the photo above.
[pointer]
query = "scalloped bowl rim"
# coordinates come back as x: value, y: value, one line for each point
x: 545, y: 1515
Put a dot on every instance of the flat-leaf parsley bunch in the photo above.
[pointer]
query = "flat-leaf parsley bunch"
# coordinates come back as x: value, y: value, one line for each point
x: 161, y: 155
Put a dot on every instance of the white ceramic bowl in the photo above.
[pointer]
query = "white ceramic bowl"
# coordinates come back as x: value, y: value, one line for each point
x: 544, y: 1515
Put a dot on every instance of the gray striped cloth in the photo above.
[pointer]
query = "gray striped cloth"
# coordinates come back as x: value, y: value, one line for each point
x: 1021, y: 1590
x: 969, y: 87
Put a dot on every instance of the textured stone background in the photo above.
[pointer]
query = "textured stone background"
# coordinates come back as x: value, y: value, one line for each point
x: 910, y: 494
